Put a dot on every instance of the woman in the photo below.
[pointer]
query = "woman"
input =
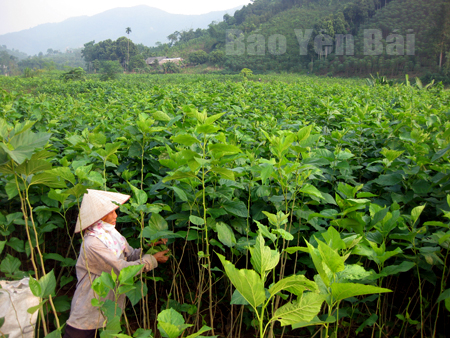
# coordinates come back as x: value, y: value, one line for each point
x: 103, y: 249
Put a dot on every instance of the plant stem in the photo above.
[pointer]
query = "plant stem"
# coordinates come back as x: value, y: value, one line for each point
x: 208, y: 259
x: 25, y: 216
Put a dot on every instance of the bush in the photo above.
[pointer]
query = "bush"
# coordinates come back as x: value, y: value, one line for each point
x: 109, y: 70
x: 198, y: 57
x: 170, y: 67
x: 216, y: 57
x: 75, y: 74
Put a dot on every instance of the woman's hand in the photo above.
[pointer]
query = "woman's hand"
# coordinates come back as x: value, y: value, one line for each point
x: 160, y: 242
x: 161, y: 256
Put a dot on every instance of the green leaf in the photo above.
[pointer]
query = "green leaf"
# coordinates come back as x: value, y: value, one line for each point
x: 47, y: 179
x: 312, y: 191
x: 62, y: 303
x: 389, y: 179
x: 180, y: 193
x: 111, y: 148
x: 55, y: 256
x: 9, y: 265
x: 16, y: 244
x: 379, y: 216
x: 127, y: 274
x: 223, y: 149
x: 25, y: 144
x: 440, y: 153
x: 263, y: 258
x: 35, y: 287
x: 303, y: 134
x: 237, y: 208
x: 2, y: 246
x: 161, y: 116
x: 100, y: 289
x: 238, y: 299
x: 33, y: 309
x: 415, y: 213
x: 391, y: 155
x: 284, y: 234
x: 247, y: 282
x: 171, y: 323
x: 317, y: 260
x: 107, y: 280
x: 64, y: 173
x: 367, y: 323
x: 185, y: 139
x: 204, y: 328
x: 394, y: 269
x: 295, y: 284
x: 48, y: 284
x: 294, y: 249
x: 137, y: 293
x: 125, y: 288
x: 353, y: 272
x: 304, y: 309
x: 266, y: 172
x: 77, y: 191
x: 139, y: 195
x: 333, y: 239
x: 97, y: 178
x: 157, y: 222
x: 54, y: 334
x: 207, y: 129
x: 31, y: 167
x: 178, y: 175
x: 11, y: 190
x: 82, y: 171
x: 331, y: 258
x: 224, y: 172
x: 264, y: 230
x: 225, y: 234
x: 342, y: 291
x: 314, y: 321
x: 58, y: 195
x: 65, y: 280
x: 113, y: 321
x: 444, y: 295
x: 143, y: 333
x: 196, y: 220
x: 213, y: 118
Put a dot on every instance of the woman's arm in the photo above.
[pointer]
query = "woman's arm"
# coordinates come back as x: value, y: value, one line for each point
x: 132, y: 254
x: 101, y: 259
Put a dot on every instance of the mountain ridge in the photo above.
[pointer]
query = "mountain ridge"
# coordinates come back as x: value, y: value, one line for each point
x: 148, y: 24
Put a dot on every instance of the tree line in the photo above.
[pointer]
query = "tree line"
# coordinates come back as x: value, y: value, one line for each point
x: 428, y: 20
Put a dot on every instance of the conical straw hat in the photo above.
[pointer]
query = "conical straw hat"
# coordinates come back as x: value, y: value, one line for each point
x: 97, y: 204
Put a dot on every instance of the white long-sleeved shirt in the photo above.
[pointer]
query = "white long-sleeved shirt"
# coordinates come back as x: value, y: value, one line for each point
x: 99, y: 258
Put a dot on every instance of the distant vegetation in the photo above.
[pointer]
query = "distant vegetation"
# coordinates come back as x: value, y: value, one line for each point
x: 428, y: 20
x: 415, y: 39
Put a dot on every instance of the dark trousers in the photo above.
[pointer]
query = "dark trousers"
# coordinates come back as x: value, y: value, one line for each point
x: 72, y: 332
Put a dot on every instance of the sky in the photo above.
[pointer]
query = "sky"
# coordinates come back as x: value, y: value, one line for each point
x: 17, y: 15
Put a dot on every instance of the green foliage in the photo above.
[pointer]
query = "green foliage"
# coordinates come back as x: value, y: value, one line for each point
x: 170, y: 67
x: 246, y: 73
x: 252, y: 170
x: 198, y: 57
x: 110, y: 70
x: 76, y: 74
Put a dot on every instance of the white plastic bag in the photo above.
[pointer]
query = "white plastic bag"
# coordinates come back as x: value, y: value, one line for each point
x: 15, y: 299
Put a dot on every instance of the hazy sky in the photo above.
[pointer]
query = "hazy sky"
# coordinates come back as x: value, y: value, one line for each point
x: 16, y: 15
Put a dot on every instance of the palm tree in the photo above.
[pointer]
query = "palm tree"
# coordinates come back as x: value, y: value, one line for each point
x: 128, y: 31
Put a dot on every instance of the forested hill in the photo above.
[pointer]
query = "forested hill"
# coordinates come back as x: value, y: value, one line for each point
x: 402, y: 36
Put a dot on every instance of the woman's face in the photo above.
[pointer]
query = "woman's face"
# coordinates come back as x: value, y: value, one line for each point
x: 110, y: 218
